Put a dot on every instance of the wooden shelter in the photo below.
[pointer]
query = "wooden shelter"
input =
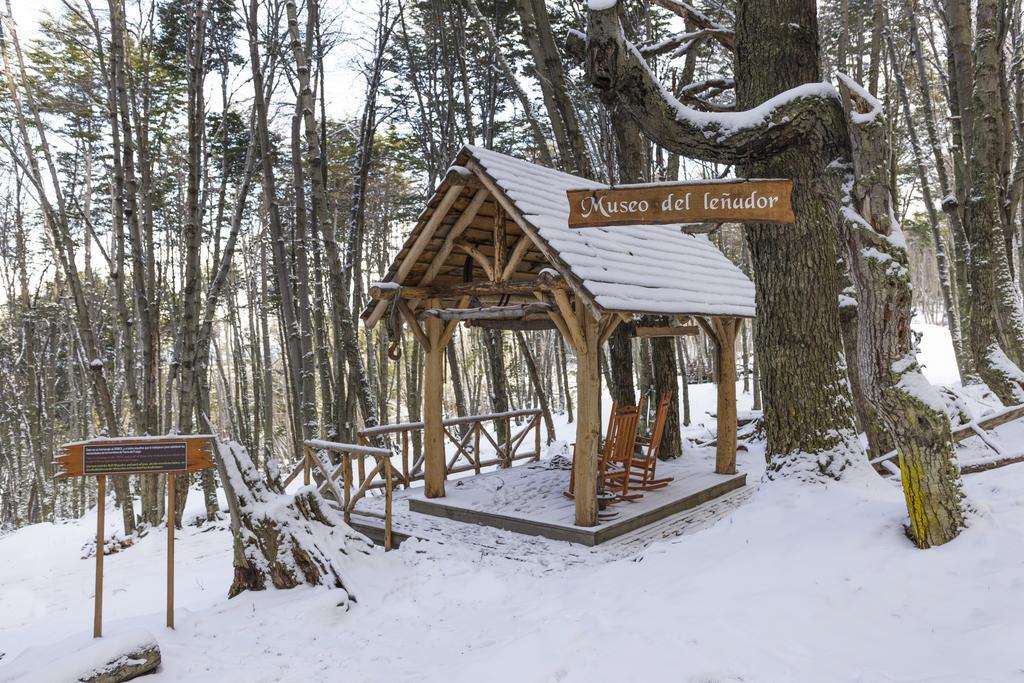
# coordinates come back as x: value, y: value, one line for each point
x: 493, y: 248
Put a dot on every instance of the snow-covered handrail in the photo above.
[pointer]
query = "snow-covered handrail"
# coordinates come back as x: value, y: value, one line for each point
x: 450, y: 422
x: 320, y: 444
x: 345, y: 497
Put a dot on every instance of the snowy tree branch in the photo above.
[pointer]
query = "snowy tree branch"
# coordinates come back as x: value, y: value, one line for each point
x: 616, y: 68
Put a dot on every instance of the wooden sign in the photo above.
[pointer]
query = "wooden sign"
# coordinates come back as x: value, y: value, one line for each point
x: 133, y: 455
x: 170, y: 455
x: 732, y: 201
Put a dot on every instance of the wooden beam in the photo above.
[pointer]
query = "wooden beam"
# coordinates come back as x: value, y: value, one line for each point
x: 450, y: 327
x: 101, y: 506
x: 453, y: 234
x: 545, y: 282
x: 560, y: 324
x: 414, y: 324
x: 569, y: 318
x: 516, y: 256
x: 462, y: 176
x: 526, y: 325
x: 550, y: 254
x: 514, y: 312
x: 670, y: 331
x: 172, y: 503
x: 426, y: 234
x: 725, y: 449
x: 991, y: 422
x: 479, y: 257
x: 708, y: 328
x: 608, y: 326
x: 500, y: 243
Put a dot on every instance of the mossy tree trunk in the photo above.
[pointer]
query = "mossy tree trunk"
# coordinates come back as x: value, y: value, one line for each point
x: 900, y: 399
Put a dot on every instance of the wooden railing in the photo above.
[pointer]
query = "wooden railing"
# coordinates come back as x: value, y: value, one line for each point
x: 358, y: 477
x: 381, y: 475
x: 468, y: 455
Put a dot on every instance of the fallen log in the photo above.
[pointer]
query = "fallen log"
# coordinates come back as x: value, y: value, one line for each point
x: 115, y: 658
x: 991, y: 422
x: 990, y: 464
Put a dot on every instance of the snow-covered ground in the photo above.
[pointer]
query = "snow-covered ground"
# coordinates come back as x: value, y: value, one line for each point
x: 801, y: 583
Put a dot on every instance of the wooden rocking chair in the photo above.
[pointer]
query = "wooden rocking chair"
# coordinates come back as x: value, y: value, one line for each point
x: 644, y: 462
x: 616, y: 470
x: 616, y: 454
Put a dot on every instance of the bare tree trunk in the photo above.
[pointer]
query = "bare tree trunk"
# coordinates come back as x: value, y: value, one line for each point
x: 942, y: 261
x: 547, y: 62
x: 292, y: 341
x: 997, y: 328
x: 55, y: 218
x: 538, y: 386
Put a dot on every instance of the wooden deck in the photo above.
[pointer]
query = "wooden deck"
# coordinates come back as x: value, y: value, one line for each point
x: 528, y: 500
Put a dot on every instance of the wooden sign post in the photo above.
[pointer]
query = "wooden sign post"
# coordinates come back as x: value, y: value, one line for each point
x: 170, y: 455
x: 731, y: 201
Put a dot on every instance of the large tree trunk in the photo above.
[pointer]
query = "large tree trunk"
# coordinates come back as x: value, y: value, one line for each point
x: 666, y: 380
x: 282, y: 270
x: 807, y: 401
x: 620, y: 366
x: 808, y: 406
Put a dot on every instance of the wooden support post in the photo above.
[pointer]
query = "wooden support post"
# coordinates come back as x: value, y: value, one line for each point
x: 405, y: 458
x: 500, y: 244
x: 305, y: 467
x: 508, y: 443
x: 170, y: 550
x: 725, y: 453
x: 433, y: 397
x: 476, y: 447
x: 536, y: 438
x: 388, y: 485
x: 101, y: 507
x: 346, y: 503
x: 588, y: 417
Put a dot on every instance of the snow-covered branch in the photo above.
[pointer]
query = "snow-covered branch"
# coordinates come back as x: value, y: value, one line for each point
x: 617, y: 68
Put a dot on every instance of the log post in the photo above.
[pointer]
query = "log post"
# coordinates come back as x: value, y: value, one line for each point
x: 433, y: 395
x: 305, y: 467
x: 588, y: 416
x: 725, y: 453
x: 170, y: 549
x: 101, y: 508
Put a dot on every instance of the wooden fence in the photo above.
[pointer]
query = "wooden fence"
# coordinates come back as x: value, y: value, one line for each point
x: 466, y: 434
x: 363, y: 468
x: 382, y: 472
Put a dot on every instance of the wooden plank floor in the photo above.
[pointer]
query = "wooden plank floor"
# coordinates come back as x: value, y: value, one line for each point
x: 529, y: 500
x: 696, y: 499
x: 437, y: 536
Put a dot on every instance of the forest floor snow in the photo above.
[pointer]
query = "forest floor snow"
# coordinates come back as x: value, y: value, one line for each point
x: 802, y: 583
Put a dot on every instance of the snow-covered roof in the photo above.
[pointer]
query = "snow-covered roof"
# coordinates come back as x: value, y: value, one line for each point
x: 636, y: 269
x: 652, y: 269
